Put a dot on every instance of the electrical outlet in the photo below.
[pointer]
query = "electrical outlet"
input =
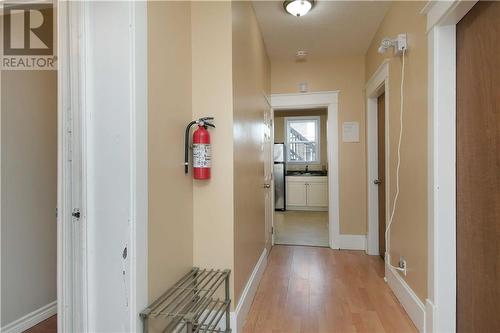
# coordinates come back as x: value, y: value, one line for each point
x: 402, y: 264
x: 400, y: 44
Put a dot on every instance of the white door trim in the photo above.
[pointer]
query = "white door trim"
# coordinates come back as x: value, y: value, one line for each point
x: 71, y: 193
x: 378, y: 84
x: 442, y: 17
x: 272, y: 172
x: 329, y: 100
x: 139, y: 163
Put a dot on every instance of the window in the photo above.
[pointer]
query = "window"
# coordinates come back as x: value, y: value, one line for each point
x: 302, y: 140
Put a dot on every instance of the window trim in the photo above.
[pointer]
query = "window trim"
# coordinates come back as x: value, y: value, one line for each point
x: 317, y: 119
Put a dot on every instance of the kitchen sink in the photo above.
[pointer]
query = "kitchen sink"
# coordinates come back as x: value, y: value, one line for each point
x: 308, y: 173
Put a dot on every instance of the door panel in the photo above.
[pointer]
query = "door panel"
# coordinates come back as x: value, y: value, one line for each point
x: 317, y: 194
x: 478, y: 169
x: 381, y: 173
x: 296, y: 194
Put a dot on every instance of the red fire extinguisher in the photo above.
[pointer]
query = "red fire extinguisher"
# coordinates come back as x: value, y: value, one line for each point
x: 202, y: 149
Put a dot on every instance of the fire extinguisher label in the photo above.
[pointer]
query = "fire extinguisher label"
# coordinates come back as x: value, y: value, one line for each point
x: 202, y: 155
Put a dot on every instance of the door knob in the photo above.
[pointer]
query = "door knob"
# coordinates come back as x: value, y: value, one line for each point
x: 267, y: 185
x: 377, y: 182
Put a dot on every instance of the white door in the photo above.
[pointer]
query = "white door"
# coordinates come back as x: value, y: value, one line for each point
x: 317, y: 194
x: 268, y: 176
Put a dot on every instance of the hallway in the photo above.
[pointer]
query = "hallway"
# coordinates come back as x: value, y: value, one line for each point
x: 307, y: 289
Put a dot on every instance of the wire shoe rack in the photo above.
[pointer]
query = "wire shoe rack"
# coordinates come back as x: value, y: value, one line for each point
x: 192, y: 305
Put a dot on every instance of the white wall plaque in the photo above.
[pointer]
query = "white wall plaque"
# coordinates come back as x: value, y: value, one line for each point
x: 350, y: 132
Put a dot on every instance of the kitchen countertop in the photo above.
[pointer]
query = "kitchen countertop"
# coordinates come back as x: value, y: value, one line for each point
x: 306, y: 174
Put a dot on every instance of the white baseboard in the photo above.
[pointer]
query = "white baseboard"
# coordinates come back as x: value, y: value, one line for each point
x: 240, y: 313
x: 31, y: 319
x: 350, y: 242
x: 308, y: 208
x: 407, y: 297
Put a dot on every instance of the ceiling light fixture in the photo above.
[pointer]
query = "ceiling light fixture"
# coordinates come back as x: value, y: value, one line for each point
x: 298, y: 7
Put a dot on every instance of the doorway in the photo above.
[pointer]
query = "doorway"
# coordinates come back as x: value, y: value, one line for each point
x: 377, y: 142
x: 329, y: 191
x: 29, y: 159
x: 29, y: 198
x: 301, y: 182
x: 478, y: 177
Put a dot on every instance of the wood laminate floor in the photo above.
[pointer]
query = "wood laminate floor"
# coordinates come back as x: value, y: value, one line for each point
x: 312, y: 289
x: 47, y: 326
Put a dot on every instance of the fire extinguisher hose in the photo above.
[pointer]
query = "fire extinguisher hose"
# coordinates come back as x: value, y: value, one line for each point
x: 186, y: 146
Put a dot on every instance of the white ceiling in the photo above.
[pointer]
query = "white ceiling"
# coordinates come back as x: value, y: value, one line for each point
x: 330, y: 29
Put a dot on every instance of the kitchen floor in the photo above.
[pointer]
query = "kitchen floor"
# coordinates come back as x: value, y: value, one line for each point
x: 319, y: 290
x: 301, y: 228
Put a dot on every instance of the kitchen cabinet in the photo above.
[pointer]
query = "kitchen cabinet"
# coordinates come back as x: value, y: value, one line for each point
x: 296, y: 194
x: 317, y: 194
x: 307, y: 193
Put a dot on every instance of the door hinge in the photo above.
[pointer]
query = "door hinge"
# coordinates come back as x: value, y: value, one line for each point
x: 272, y: 230
x: 76, y: 213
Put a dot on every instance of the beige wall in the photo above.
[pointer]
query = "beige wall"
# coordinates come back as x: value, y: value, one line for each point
x: 190, y: 76
x: 29, y: 192
x: 279, y: 134
x: 348, y: 76
x: 409, y: 231
x: 170, y: 191
x: 212, y: 95
x: 215, y: 223
x: 251, y: 80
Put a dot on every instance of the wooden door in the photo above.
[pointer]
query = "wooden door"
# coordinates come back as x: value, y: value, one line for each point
x: 478, y: 169
x: 381, y: 173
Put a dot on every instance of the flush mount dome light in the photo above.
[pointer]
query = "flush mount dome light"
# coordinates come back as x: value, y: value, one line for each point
x: 298, y: 7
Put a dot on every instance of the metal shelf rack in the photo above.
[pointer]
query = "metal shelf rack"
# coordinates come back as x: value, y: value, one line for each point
x: 191, y: 305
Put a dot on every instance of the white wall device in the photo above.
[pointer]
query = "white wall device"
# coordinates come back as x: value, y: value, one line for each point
x: 399, y: 44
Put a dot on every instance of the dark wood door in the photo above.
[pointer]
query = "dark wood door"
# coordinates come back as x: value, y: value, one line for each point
x: 381, y: 173
x: 478, y: 169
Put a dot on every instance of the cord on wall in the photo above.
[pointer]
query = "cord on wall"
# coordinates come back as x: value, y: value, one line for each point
x: 396, y: 196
